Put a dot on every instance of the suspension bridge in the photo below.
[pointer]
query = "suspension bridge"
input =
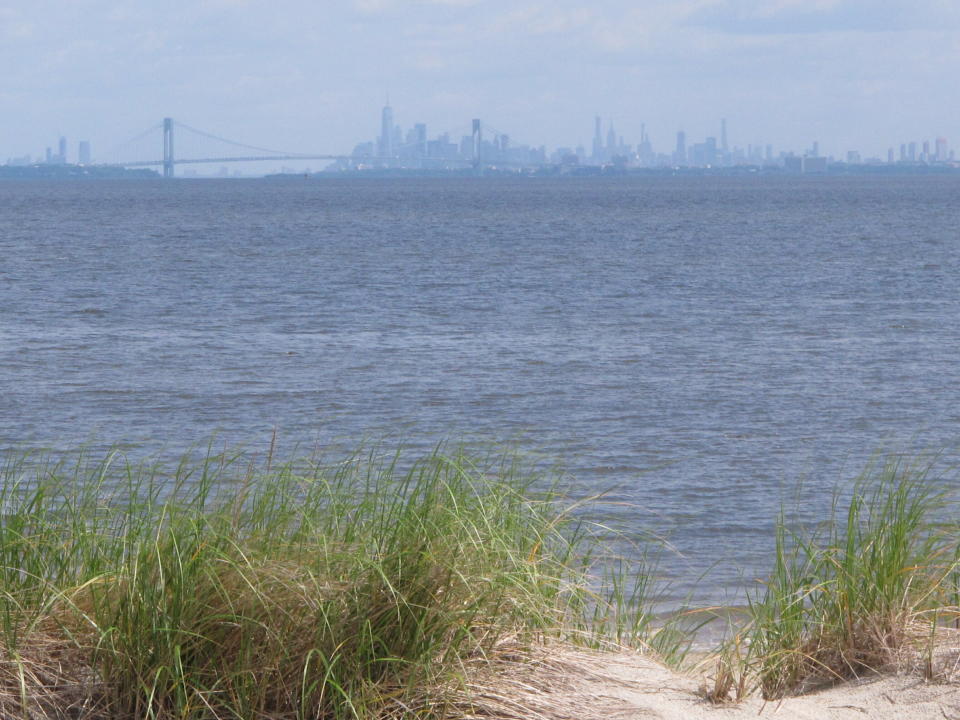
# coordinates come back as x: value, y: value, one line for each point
x: 193, y: 146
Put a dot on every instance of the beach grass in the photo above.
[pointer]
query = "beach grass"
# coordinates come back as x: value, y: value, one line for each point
x: 388, y: 586
x: 371, y: 587
x: 855, y: 596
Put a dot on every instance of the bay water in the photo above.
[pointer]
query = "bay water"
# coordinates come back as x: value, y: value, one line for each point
x: 699, y: 347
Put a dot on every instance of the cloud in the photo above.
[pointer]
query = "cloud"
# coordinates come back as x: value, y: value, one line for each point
x: 824, y: 16
x: 373, y: 6
x: 537, y: 68
x: 13, y: 26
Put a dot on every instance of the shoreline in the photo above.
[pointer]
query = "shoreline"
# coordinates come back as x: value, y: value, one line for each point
x: 624, y: 685
x: 446, y: 586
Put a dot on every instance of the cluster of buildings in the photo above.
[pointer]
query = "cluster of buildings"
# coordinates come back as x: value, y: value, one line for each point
x: 480, y: 146
x: 60, y: 157
x: 412, y: 149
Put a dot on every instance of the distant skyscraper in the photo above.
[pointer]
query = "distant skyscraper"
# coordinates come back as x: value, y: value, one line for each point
x: 644, y: 149
x: 420, y: 131
x: 611, y: 141
x: 597, y: 141
x: 385, y: 145
x: 680, y: 155
x: 63, y: 150
x: 710, y: 151
x: 889, y: 156
x: 477, y: 144
x: 724, y: 148
x: 942, y: 152
x: 83, y: 152
x: 912, y: 152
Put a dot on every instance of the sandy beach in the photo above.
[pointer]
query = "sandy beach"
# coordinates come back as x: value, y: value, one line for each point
x: 568, y: 685
x: 640, y: 688
x: 633, y: 687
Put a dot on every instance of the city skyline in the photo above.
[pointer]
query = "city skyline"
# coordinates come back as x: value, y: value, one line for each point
x: 610, y: 147
x: 853, y: 74
x: 414, y: 148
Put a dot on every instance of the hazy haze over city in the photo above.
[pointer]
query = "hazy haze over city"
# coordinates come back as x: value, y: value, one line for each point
x: 309, y: 76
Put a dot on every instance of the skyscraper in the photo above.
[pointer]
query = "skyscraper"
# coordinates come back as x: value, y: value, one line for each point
x: 710, y: 151
x: 680, y: 155
x: 723, y: 137
x: 942, y: 152
x: 597, y: 141
x: 385, y: 145
x: 420, y: 131
x: 63, y: 151
x: 83, y: 152
x: 477, y: 146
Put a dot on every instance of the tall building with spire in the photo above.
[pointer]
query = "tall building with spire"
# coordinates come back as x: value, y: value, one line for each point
x: 597, y: 141
x: 385, y: 146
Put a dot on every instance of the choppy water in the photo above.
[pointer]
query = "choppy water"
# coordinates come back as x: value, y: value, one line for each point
x: 701, y: 344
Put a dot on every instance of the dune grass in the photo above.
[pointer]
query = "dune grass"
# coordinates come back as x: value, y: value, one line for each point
x: 367, y: 588
x: 853, y: 598
x: 387, y: 587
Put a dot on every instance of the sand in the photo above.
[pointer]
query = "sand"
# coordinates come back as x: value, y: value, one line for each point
x: 636, y: 687
x: 557, y: 681
x: 560, y: 684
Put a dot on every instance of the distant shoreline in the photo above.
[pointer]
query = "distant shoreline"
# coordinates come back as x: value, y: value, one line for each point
x: 112, y: 172
x: 73, y: 172
x: 596, y: 171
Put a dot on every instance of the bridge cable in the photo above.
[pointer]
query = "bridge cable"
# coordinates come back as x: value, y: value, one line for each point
x: 115, y: 150
x: 141, y: 136
x: 235, y: 143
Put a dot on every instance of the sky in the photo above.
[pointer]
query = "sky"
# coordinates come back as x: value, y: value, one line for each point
x: 312, y: 75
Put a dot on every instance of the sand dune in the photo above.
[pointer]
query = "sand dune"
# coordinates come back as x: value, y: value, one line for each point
x: 639, y: 687
x: 566, y: 685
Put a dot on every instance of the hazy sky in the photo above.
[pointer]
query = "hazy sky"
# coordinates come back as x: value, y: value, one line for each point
x: 312, y: 75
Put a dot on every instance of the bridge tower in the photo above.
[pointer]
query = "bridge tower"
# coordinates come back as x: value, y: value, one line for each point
x: 168, y: 147
x: 477, y: 142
